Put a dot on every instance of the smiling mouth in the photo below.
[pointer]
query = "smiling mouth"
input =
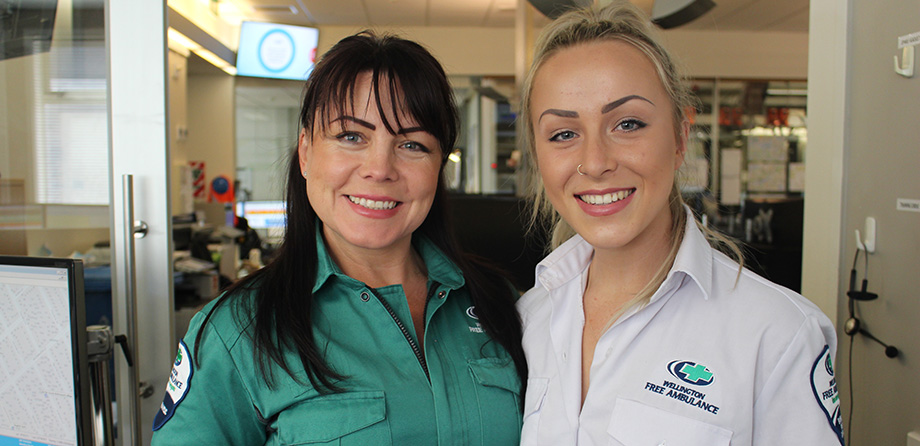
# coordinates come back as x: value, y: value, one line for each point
x: 372, y: 204
x: 604, y: 199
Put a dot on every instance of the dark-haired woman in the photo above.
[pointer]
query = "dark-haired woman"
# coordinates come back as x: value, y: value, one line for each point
x: 370, y: 327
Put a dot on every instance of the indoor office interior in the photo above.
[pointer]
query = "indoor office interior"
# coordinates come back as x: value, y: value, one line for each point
x: 148, y: 141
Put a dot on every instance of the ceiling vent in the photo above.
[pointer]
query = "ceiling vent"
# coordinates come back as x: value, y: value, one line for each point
x: 275, y: 9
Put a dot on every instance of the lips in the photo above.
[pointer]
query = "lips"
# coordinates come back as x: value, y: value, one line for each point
x: 607, y: 198
x: 376, y: 205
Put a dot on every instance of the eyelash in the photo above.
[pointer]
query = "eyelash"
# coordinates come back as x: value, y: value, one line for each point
x: 557, y: 137
x: 413, y: 146
x: 419, y: 146
x: 638, y: 125
x: 345, y: 135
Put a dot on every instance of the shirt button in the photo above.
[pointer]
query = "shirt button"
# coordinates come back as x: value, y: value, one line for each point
x: 442, y: 294
x: 365, y: 296
x: 565, y: 356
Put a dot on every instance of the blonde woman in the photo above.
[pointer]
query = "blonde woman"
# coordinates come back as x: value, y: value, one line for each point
x: 638, y: 331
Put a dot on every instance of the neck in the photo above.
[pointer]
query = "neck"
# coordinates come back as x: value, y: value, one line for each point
x: 625, y: 271
x: 397, y: 264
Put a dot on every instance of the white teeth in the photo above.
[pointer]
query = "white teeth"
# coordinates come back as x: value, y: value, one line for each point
x: 371, y: 204
x: 606, y: 198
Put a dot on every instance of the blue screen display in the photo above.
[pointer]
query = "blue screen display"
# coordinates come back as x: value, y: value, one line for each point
x: 276, y: 51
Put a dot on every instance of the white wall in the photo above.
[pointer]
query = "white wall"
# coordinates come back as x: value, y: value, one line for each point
x: 863, y: 156
x: 211, y: 124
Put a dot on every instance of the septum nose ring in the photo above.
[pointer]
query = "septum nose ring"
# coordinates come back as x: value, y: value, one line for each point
x: 578, y: 169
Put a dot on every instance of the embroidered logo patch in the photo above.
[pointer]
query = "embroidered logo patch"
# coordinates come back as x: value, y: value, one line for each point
x: 691, y: 373
x: 824, y: 386
x: 177, y: 388
x: 687, y: 372
x: 471, y: 313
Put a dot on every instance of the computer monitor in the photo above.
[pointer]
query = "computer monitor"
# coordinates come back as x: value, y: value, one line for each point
x: 263, y: 214
x: 45, y: 387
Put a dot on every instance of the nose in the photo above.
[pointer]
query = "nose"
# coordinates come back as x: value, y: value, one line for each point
x: 598, y: 157
x: 378, y: 163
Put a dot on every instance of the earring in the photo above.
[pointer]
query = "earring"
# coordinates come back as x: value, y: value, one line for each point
x: 578, y: 169
x: 304, y: 173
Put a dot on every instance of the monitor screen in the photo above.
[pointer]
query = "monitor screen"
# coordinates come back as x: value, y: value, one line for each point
x: 45, y: 385
x: 276, y: 51
x: 262, y: 214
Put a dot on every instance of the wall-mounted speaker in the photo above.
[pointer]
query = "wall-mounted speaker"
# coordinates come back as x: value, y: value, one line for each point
x: 555, y: 8
x: 673, y: 13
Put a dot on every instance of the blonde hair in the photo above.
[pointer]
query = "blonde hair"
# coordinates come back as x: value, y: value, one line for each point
x: 618, y: 21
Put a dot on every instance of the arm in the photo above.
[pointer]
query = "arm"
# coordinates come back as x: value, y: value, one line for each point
x: 207, y: 401
x: 799, y: 404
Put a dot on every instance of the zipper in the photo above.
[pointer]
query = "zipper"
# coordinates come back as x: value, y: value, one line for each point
x: 402, y: 328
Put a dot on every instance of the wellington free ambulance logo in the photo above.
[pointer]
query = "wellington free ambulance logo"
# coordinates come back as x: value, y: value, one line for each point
x: 691, y: 372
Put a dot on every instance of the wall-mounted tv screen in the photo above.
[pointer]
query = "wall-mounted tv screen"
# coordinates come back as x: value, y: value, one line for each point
x: 276, y: 51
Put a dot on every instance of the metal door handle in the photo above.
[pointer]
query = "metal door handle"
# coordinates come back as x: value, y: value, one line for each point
x: 140, y: 229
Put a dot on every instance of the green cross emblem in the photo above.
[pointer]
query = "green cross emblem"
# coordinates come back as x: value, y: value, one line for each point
x: 696, y: 373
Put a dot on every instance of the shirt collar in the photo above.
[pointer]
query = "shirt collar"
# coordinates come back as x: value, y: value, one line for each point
x: 694, y: 260
x: 440, y: 268
x: 694, y: 257
x: 565, y: 263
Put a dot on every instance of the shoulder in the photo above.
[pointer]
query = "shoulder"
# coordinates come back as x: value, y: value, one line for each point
x: 228, y: 317
x: 534, y: 305
x: 757, y: 302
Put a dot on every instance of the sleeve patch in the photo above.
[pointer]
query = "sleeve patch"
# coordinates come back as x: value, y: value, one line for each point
x: 824, y: 386
x: 180, y: 379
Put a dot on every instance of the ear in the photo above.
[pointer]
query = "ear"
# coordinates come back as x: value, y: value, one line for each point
x: 303, y: 149
x: 683, y: 137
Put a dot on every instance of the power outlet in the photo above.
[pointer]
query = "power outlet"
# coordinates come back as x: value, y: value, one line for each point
x: 913, y: 438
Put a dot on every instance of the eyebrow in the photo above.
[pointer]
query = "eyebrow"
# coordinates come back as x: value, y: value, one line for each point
x: 355, y: 120
x: 605, y: 109
x: 557, y: 112
x: 409, y: 130
x: 622, y: 101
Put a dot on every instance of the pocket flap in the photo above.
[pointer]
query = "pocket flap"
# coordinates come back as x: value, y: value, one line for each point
x: 328, y: 417
x: 634, y: 423
x: 496, y: 372
x: 536, y: 393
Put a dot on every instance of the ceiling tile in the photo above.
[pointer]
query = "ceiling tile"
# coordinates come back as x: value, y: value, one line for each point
x: 397, y: 12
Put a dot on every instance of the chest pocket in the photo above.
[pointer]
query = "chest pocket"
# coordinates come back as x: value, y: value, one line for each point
x: 635, y: 424
x: 345, y: 419
x: 498, y: 394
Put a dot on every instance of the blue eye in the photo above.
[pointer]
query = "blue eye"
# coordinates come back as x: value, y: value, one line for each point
x: 349, y: 137
x: 564, y: 135
x: 415, y: 146
x: 631, y: 125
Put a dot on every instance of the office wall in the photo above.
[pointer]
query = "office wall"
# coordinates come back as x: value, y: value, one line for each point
x: 211, y: 124
x: 863, y: 156
x: 726, y: 54
x: 178, y: 121
x: 880, y: 167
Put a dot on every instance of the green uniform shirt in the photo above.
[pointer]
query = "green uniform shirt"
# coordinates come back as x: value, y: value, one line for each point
x: 471, y: 398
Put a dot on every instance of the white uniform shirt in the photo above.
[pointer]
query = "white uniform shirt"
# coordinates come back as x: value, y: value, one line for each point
x: 707, y: 362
